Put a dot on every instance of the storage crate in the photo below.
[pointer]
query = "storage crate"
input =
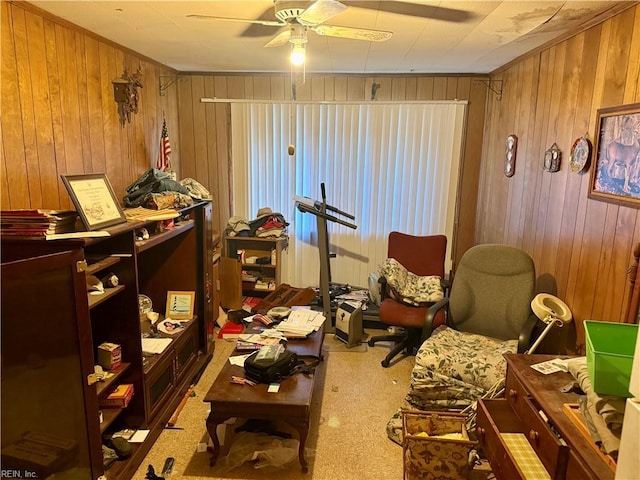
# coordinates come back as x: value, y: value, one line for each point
x: 610, y: 349
x: 427, y: 455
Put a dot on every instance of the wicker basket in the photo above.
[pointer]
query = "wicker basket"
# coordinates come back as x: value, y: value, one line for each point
x: 427, y: 456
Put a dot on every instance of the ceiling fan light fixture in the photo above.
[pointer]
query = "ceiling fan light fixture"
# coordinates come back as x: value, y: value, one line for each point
x: 298, y: 54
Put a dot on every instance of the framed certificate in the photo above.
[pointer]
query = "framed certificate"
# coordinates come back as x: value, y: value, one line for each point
x: 94, y: 200
x: 180, y: 305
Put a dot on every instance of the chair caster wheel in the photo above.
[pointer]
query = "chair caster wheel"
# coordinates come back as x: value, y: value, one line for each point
x: 371, y: 343
x: 385, y: 363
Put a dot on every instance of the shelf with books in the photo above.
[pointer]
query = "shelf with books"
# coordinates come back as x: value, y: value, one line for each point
x: 80, y: 322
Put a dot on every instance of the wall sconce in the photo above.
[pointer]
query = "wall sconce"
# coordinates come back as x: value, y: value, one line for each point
x: 125, y: 93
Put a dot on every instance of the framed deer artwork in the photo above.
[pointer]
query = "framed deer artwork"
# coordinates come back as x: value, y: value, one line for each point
x: 616, y: 174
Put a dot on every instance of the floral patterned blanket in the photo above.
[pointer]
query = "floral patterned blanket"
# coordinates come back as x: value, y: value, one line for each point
x: 409, y: 288
x: 452, y: 370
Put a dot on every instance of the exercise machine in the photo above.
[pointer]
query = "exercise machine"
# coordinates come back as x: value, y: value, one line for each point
x: 320, y: 210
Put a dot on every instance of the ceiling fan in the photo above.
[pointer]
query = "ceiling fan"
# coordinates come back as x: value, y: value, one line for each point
x: 300, y: 16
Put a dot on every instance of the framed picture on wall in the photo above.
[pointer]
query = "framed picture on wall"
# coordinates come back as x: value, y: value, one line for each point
x: 615, y: 176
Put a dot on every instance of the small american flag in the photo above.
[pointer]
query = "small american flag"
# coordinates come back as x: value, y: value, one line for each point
x: 164, y: 155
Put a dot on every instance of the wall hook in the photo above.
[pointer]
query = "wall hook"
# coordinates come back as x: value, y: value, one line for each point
x: 494, y: 85
x: 164, y: 82
x: 374, y: 90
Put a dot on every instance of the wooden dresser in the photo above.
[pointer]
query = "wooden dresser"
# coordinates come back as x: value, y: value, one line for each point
x: 535, y: 406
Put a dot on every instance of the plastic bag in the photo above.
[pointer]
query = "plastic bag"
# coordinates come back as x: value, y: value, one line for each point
x: 267, y: 450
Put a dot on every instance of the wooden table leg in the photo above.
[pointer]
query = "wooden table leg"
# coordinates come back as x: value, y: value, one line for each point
x: 303, y: 431
x: 212, y: 427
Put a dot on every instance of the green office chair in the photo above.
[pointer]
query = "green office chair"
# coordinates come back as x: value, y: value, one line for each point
x: 488, y: 313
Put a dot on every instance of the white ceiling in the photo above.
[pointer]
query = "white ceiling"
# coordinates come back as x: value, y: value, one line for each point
x: 478, y: 37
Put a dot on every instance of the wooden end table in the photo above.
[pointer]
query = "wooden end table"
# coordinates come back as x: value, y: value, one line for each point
x: 291, y: 404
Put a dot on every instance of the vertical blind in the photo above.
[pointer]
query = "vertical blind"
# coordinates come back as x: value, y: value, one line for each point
x: 393, y: 166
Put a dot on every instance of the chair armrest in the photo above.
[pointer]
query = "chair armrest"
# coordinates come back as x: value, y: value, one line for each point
x: 427, y: 327
x: 446, y: 286
x: 525, y: 340
x: 384, y: 293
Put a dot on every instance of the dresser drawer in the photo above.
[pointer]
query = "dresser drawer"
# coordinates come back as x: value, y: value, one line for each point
x: 553, y: 454
x: 515, y: 393
x: 496, y: 417
x: 577, y: 471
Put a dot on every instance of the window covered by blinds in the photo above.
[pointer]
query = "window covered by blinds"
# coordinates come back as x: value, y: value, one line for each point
x: 394, y: 166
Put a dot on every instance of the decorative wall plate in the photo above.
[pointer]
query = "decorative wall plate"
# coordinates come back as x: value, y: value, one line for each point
x: 580, y: 155
x: 510, y: 155
x: 552, y: 159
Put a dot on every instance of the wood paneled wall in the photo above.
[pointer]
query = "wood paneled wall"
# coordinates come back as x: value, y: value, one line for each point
x: 58, y: 111
x: 59, y: 117
x: 581, y: 247
x: 206, y: 138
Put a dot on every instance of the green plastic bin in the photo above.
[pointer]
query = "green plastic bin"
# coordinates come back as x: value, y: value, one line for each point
x: 610, y: 349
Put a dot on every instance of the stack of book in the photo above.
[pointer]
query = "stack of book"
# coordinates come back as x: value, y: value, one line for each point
x: 264, y: 285
x: 36, y: 223
x: 231, y: 330
x: 248, y: 303
x: 248, y: 277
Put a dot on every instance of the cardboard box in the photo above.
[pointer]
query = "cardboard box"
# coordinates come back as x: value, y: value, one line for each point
x: 119, y: 397
x: 109, y: 356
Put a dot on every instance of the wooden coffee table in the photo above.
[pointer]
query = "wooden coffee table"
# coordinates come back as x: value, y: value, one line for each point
x: 291, y: 404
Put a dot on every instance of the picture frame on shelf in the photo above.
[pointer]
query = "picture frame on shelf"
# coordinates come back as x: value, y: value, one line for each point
x: 94, y: 200
x: 180, y: 305
x: 615, y: 176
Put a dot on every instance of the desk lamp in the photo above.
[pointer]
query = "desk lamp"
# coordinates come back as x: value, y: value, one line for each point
x: 552, y: 311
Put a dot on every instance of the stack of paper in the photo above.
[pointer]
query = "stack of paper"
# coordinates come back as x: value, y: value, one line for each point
x: 258, y: 339
x: 301, y: 322
x: 154, y: 345
x: 147, y: 214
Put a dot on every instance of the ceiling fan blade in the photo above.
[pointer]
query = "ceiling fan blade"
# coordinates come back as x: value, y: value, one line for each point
x: 354, y: 33
x: 414, y: 10
x: 280, y: 39
x: 321, y: 11
x: 256, y: 30
x: 268, y: 23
